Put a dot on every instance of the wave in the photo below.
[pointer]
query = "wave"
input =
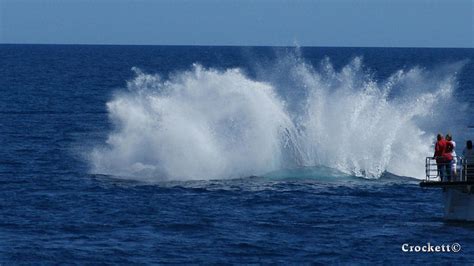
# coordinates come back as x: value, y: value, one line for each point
x: 215, y: 124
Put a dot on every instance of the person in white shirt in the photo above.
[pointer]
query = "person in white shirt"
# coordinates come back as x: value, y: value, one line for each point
x: 454, y: 162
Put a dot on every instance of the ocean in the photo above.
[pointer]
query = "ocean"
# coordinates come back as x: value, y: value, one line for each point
x: 196, y: 154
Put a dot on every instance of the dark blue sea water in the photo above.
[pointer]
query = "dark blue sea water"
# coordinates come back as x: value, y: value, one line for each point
x: 175, y: 169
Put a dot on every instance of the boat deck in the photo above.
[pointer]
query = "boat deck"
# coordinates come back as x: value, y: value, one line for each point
x: 445, y: 184
x: 464, y: 178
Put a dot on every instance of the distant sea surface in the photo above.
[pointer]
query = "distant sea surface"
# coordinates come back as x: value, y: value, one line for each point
x: 195, y: 154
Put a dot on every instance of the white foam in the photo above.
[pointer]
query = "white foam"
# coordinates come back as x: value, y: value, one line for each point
x: 209, y: 124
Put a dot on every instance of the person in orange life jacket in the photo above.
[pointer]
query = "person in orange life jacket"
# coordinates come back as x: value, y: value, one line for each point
x: 440, y: 148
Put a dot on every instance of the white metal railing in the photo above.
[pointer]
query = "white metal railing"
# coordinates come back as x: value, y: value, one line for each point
x: 464, y: 170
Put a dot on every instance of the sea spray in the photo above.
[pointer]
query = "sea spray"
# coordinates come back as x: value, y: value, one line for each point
x: 210, y: 124
x: 201, y: 124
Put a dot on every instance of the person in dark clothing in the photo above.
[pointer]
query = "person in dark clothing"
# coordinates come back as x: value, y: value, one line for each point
x: 468, y: 156
x: 440, y: 148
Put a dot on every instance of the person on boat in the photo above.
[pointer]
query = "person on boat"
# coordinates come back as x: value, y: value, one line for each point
x: 468, y: 155
x: 454, y: 161
x: 440, y: 148
x: 448, y: 159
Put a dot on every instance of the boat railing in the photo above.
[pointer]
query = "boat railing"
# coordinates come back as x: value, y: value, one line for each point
x: 461, y: 170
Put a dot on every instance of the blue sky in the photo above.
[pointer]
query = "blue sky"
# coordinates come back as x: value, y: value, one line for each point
x: 382, y: 23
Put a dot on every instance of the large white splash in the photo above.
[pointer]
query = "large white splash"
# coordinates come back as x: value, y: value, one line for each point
x: 210, y: 124
x: 200, y: 124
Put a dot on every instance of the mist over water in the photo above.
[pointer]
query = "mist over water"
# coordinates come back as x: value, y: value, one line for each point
x: 214, y: 124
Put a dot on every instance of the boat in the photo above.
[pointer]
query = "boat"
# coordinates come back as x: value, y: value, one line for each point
x: 458, y: 193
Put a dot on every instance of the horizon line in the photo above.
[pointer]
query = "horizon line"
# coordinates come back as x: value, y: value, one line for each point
x: 234, y: 45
